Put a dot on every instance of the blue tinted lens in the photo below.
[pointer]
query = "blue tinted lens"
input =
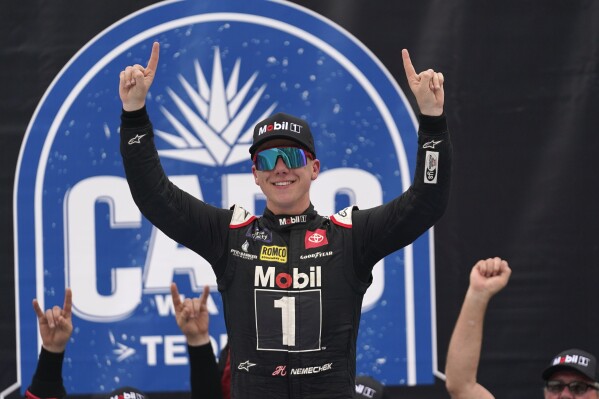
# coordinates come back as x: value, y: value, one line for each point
x: 292, y: 156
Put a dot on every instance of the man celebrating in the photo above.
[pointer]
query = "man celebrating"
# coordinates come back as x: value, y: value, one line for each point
x: 292, y: 281
x: 571, y: 373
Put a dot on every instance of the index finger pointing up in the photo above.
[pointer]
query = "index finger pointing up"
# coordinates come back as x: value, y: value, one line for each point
x: 153, y: 62
x: 68, y: 301
x: 38, y: 310
x: 407, y: 65
x: 175, y: 295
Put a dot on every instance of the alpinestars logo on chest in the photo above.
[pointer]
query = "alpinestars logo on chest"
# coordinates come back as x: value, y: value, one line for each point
x: 245, y: 365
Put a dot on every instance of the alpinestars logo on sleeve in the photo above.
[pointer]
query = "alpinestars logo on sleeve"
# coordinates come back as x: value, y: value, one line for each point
x: 136, y: 139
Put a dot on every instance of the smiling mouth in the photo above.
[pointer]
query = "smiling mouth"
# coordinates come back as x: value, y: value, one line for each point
x: 282, y: 183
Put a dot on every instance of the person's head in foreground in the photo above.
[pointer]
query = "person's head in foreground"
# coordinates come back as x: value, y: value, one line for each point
x: 571, y: 374
x: 127, y: 393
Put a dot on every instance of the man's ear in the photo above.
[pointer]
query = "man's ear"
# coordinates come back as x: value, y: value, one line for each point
x: 315, y: 169
x: 255, y: 173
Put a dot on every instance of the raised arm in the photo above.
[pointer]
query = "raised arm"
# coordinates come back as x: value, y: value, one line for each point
x: 56, y: 327
x: 486, y: 279
x: 193, y: 320
x: 382, y: 230
x: 184, y: 218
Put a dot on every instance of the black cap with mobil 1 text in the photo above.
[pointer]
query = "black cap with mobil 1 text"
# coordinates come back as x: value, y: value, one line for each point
x: 574, y: 360
x: 126, y: 393
x: 369, y: 388
x: 283, y: 126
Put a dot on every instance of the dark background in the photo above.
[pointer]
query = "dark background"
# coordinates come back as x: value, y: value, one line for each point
x: 522, y: 87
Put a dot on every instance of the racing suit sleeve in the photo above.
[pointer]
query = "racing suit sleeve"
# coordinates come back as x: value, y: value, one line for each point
x: 193, y: 223
x: 381, y: 230
x: 205, y: 376
x: 47, y: 380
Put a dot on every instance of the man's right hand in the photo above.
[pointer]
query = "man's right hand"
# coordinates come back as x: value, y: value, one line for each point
x: 192, y: 316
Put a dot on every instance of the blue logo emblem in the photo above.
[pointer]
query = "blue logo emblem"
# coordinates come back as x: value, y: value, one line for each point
x: 223, y: 67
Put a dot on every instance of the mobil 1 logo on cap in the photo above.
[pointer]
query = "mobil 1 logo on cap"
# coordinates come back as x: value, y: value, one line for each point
x: 283, y: 125
x: 223, y: 67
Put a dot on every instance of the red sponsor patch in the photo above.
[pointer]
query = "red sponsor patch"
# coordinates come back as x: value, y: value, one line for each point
x: 315, y: 239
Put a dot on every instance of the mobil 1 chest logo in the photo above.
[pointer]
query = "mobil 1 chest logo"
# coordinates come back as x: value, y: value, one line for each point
x: 288, y: 304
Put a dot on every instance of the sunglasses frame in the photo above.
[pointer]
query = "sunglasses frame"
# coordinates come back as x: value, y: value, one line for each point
x: 307, y: 155
x: 553, y: 385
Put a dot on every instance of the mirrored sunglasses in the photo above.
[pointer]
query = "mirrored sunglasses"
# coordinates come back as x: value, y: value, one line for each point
x: 293, y: 157
x: 575, y: 387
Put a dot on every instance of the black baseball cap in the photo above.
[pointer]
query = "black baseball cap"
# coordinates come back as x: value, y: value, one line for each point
x: 575, y: 360
x: 283, y: 126
x: 126, y: 393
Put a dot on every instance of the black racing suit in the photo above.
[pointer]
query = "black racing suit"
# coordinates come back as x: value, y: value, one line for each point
x: 292, y: 285
x: 47, y: 379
